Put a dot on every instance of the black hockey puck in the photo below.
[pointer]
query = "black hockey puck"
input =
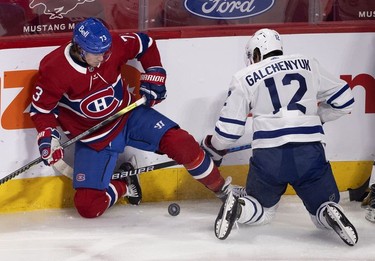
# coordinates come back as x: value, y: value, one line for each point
x: 174, y: 209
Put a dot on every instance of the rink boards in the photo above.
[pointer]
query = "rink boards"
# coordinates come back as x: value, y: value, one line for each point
x: 199, y: 72
x: 160, y: 185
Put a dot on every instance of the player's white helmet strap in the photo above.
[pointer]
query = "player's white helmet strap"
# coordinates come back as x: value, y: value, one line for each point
x: 267, y: 40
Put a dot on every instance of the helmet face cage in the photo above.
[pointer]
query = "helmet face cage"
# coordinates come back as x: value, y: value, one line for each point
x: 92, y: 36
x: 266, y: 40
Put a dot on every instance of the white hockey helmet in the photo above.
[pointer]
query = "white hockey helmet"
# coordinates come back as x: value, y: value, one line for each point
x: 266, y: 40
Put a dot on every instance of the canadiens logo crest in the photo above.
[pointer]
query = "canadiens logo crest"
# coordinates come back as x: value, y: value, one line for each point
x: 57, y: 9
x: 100, y: 104
x: 81, y: 177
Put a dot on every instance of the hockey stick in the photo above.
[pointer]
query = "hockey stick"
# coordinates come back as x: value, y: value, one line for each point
x: 78, y: 137
x: 64, y: 169
x: 358, y: 194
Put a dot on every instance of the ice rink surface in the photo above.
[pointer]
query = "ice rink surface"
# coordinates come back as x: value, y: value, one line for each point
x: 148, y: 232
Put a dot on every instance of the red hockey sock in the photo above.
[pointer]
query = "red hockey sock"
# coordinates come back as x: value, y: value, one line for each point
x: 180, y: 146
x: 91, y: 203
x: 214, y: 181
x: 120, y: 187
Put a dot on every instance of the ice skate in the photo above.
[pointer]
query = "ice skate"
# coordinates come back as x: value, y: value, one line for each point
x: 340, y: 224
x: 238, y: 191
x: 369, y: 204
x: 227, y: 216
x: 370, y: 214
x: 134, y: 190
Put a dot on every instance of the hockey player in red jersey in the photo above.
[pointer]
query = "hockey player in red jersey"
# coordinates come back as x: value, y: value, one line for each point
x: 79, y: 85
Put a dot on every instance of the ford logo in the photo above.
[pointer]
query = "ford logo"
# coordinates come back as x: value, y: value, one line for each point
x: 228, y: 9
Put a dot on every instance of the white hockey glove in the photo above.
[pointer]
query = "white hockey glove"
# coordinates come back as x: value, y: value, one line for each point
x: 216, y: 155
x: 49, y: 146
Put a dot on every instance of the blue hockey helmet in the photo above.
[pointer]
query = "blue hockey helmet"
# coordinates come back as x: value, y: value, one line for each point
x: 92, y: 36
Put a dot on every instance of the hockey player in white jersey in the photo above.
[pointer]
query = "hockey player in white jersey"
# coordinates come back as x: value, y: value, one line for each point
x: 290, y: 97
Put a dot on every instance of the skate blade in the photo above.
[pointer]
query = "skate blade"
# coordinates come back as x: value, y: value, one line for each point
x: 347, y: 233
x: 226, y: 218
x: 370, y: 214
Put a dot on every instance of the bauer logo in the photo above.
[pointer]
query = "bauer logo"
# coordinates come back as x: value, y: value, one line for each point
x: 228, y: 9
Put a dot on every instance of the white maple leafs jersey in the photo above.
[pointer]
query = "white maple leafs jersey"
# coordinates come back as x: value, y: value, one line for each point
x: 289, y: 96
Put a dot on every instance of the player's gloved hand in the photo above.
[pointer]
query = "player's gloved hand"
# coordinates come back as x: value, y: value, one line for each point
x: 49, y: 146
x: 216, y: 155
x: 153, y: 85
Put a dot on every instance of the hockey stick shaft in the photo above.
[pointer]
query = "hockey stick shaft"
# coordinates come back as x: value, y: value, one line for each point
x: 105, y: 122
x: 67, y: 171
x: 239, y: 148
x: 78, y: 137
x: 123, y: 174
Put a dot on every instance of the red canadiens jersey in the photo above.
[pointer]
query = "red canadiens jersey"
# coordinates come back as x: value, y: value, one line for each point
x: 77, y: 98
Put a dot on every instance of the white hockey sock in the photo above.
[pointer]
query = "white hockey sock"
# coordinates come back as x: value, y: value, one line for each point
x: 319, y: 220
x: 252, y: 212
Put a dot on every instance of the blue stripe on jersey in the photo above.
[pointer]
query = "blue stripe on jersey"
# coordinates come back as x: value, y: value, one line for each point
x: 344, y: 105
x: 230, y: 121
x: 338, y: 94
x: 35, y: 110
x: 201, y: 168
x: 144, y: 43
x: 288, y: 131
x: 233, y: 121
x: 226, y: 135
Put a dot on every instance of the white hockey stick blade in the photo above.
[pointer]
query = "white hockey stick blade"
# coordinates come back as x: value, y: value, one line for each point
x: 133, y: 161
x: 63, y: 168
